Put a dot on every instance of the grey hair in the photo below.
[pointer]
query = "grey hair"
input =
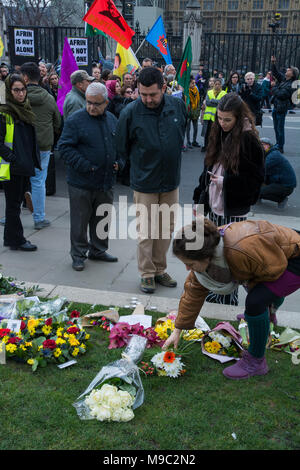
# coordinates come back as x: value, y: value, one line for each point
x: 97, y: 88
x: 250, y: 74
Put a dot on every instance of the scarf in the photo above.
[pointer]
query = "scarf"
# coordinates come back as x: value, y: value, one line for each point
x: 111, y: 88
x: 18, y: 111
x: 194, y: 97
x: 218, y: 277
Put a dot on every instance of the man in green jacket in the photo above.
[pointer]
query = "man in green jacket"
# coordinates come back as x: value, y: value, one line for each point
x: 150, y: 133
x: 75, y: 99
x: 47, y: 124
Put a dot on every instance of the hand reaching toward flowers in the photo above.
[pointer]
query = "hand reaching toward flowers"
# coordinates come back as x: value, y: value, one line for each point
x: 173, y: 339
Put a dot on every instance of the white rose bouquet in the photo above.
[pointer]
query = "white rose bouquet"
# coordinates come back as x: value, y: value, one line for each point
x: 112, y: 403
x: 117, y: 389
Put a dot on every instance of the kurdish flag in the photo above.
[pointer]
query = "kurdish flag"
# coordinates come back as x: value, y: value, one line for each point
x: 157, y: 37
x: 104, y: 16
x: 90, y: 31
x: 183, y: 74
x: 125, y: 61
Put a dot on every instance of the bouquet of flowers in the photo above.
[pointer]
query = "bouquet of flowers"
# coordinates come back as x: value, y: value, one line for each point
x: 168, y: 364
x: 121, y: 333
x: 288, y: 341
x: 223, y: 343
x: 165, y: 326
x: 9, y: 285
x: 45, y: 340
x: 112, y: 401
x: 104, y: 398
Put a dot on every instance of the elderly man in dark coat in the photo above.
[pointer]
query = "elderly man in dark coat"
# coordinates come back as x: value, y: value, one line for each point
x: 88, y: 149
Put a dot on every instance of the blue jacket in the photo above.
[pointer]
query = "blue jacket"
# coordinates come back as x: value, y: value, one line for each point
x: 278, y: 169
x: 87, y: 145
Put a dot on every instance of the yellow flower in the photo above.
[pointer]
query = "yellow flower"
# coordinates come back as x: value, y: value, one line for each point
x: 75, y: 352
x: 5, y: 339
x: 215, y: 347
x: 208, y: 346
x: 73, y: 341
x: 46, y: 330
x: 60, y: 341
x: 23, y: 347
x: 11, y: 348
x: 83, y: 345
x: 66, y: 335
x: 32, y: 323
x: 57, y: 352
x: 28, y: 344
x: 31, y: 331
x: 30, y: 362
x: 161, y: 372
x: 87, y: 336
x: 59, y: 331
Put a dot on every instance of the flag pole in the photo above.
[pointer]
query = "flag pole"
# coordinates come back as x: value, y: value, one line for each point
x: 140, y: 46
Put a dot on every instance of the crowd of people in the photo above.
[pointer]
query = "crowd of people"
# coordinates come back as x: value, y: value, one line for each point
x: 136, y: 127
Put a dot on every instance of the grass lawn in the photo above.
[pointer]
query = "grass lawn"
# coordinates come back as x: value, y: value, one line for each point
x: 197, y: 411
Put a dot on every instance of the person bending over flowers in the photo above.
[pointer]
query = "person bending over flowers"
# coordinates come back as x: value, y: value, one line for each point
x: 264, y: 257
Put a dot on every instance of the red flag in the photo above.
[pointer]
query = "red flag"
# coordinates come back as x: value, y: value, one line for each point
x: 104, y: 15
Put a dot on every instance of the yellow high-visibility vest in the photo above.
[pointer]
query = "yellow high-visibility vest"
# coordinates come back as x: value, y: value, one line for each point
x: 9, y: 138
x: 210, y: 111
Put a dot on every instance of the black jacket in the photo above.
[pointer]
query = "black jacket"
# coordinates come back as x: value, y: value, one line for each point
x: 252, y: 96
x: 24, y: 157
x: 241, y: 190
x: 87, y: 145
x: 152, y: 139
x: 116, y: 104
x: 281, y: 93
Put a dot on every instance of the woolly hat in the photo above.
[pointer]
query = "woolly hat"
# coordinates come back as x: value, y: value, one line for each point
x: 266, y: 140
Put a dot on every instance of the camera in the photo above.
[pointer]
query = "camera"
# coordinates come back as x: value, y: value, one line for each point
x: 276, y: 22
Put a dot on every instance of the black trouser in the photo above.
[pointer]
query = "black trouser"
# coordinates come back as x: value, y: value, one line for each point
x: 195, y: 129
x: 275, y: 192
x: 83, y: 208
x: 14, y: 194
x: 258, y: 300
x: 206, y: 137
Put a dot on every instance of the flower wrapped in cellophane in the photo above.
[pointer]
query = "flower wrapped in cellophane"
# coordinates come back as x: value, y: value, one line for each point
x: 223, y: 343
x: 288, y: 341
x: 168, y: 364
x: 117, y: 389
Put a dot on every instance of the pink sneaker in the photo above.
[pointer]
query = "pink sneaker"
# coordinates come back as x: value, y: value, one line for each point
x: 246, y: 367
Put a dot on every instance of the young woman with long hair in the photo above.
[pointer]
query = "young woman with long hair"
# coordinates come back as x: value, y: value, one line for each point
x: 264, y: 257
x: 233, y: 169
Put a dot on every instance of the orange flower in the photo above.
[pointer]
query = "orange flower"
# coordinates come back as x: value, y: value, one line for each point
x: 169, y: 356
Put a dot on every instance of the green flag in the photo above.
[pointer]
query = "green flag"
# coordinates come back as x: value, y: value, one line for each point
x: 90, y: 31
x: 183, y: 74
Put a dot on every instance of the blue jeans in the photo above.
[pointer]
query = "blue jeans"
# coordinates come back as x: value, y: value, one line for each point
x: 278, y: 122
x: 38, y: 187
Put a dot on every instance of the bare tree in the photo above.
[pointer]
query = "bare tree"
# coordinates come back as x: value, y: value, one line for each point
x: 43, y: 12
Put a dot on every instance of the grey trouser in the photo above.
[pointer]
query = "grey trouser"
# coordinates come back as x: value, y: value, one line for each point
x: 83, y: 208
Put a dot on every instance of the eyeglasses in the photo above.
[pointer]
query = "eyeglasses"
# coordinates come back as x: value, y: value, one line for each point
x: 97, y: 105
x: 19, y: 90
x: 129, y: 91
